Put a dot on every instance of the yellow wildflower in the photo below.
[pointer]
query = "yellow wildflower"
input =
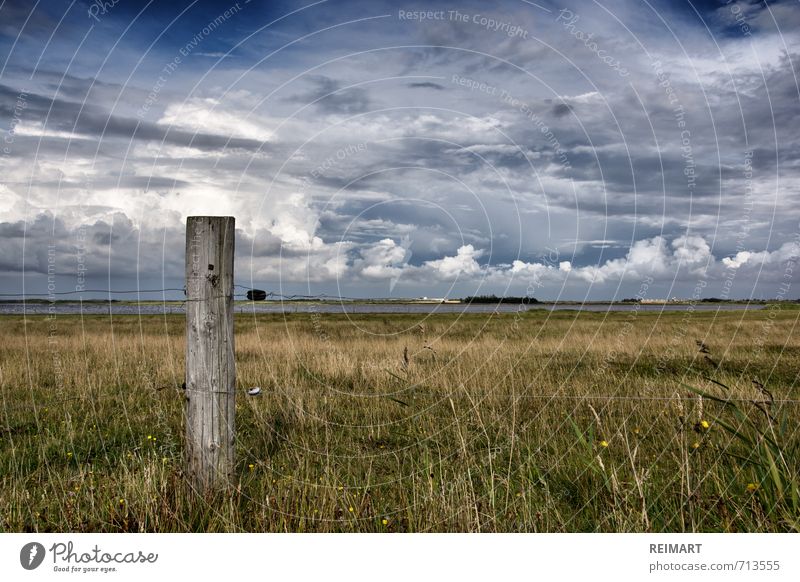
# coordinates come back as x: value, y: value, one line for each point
x: 751, y: 487
x: 604, y: 444
x: 704, y: 424
x: 385, y: 521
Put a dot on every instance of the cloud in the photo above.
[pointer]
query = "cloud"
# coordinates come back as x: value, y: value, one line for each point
x: 463, y: 263
x: 741, y: 258
x: 213, y: 117
x: 773, y: 261
x: 561, y: 109
x: 427, y: 85
x: 685, y: 258
x: 384, y: 259
x: 107, y: 249
x: 555, y: 152
x: 691, y: 250
x: 288, y: 253
x: 213, y: 54
x: 90, y: 120
x: 328, y: 97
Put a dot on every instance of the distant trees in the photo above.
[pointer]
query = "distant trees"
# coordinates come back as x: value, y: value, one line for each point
x: 495, y: 299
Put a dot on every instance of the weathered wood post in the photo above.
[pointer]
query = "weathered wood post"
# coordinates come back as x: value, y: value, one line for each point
x: 210, y: 366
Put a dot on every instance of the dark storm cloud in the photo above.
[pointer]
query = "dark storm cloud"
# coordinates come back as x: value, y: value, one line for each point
x: 561, y: 109
x: 427, y: 85
x: 105, y: 238
x: 115, y: 250
x: 651, y: 175
x: 262, y: 244
x: 354, y: 182
x: 111, y: 248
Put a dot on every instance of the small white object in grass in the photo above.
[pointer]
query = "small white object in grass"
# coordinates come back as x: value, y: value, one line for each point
x: 254, y: 391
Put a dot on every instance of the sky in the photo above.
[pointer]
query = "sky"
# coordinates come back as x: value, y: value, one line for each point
x: 579, y: 150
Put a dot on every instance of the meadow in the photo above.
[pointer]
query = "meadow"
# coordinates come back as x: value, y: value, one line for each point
x: 535, y: 422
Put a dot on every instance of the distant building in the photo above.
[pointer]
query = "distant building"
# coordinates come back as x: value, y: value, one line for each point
x: 437, y: 300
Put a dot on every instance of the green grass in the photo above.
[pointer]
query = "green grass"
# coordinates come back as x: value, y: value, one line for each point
x: 535, y: 422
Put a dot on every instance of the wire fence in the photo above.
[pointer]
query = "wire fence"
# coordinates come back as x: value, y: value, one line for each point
x: 588, y: 398
x: 270, y: 295
x: 277, y: 296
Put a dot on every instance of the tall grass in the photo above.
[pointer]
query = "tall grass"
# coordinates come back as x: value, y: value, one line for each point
x: 766, y: 449
x: 531, y: 422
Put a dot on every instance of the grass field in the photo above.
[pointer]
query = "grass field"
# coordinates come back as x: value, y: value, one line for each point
x: 516, y: 422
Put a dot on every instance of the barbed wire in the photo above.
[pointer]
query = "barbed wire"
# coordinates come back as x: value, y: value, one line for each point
x: 108, y: 291
x: 277, y: 296
x: 5, y: 407
x: 269, y: 294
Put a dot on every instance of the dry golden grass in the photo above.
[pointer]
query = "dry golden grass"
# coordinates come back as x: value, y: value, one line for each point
x: 516, y: 422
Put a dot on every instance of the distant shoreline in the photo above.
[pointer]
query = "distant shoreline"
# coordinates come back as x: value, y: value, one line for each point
x: 406, y: 301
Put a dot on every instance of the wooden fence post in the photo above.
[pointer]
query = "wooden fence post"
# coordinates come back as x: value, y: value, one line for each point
x: 210, y: 366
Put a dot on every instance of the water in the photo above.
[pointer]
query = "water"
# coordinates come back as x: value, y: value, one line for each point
x: 69, y: 308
